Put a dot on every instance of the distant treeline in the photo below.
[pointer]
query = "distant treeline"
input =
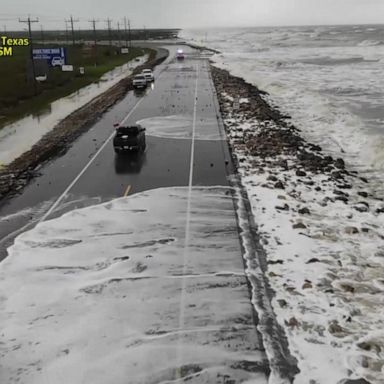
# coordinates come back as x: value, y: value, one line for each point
x: 101, y: 34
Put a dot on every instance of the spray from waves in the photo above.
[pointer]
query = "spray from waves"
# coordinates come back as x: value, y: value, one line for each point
x: 370, y: 43
x: 327, y: 60
x: 328, y: 79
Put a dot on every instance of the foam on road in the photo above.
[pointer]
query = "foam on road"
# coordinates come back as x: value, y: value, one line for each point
x: 95, y: 295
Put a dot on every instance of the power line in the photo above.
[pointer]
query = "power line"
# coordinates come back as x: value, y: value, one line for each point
x: 29, y: 21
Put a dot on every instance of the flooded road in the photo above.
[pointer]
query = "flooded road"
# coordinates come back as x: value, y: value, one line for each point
x: 126, y: 298
x: 165, y: 162
x: 20, y: 136
x: 158, y: 265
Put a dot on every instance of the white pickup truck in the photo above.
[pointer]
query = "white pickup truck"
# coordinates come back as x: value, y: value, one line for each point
x: 139, y: 81
x: 148, y: 74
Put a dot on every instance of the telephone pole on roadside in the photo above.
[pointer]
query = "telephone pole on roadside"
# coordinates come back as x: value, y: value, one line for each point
x: 125, y: 32
x: 118, y: 34
x: 66, y: 32
x: 129, y: 33
x: 71, y: 20
x: 109, y: 21
x: 93, y: 22
x: 29, y: 21
x: 42, y: 34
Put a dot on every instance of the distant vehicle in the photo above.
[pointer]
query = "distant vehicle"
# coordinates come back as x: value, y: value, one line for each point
x: 148, y: 74
x: 139, y: 81
x: 180, y: 54
x: 129, y: 139
x: 57, y: 61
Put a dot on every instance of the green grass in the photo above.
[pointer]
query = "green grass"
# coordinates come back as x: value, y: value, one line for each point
x: 17, y: 97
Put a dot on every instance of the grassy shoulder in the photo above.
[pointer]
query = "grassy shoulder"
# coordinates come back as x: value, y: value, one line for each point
x: 17, y: 95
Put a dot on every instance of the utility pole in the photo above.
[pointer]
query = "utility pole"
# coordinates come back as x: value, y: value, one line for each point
x: 29, y: 21
x: 109, y: 21
x: 93, y: 22
x: 125, y: 32
x: 42, y: 34
x: 145, y: 33
x: 118, y: 34
x: 66, y: 32
x: 71, y: 20
x: 129, y: 33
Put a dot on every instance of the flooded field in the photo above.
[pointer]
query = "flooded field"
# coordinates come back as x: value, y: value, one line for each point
x: 20, y: 136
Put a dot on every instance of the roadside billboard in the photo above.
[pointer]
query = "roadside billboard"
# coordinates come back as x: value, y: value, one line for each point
x: 54, y: 56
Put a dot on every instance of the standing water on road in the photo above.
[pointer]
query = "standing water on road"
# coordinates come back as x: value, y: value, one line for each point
x: 20, y: 136
x: 128, y: 299
x: 329, y: 79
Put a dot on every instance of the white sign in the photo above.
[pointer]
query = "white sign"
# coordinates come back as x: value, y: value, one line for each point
x: 67, y: 68
x: 124, y: 50
x: 81, y: 70
x: 41, y: 78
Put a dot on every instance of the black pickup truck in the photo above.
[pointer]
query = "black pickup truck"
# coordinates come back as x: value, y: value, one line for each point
x: 128, y: 139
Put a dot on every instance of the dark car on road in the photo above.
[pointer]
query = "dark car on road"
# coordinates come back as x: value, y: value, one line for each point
x: 129, y: 139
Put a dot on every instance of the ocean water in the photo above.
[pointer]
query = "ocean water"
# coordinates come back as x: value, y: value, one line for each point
x: 329, y: 79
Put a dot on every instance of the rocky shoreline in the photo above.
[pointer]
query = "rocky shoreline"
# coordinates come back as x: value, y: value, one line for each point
x: 15, y: 176
x: 276, y: 137
x: 280, y: 138
x: 320, y: 225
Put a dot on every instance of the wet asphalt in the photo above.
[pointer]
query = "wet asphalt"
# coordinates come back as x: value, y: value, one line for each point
x: 90, y: 172
x: 165, y: 163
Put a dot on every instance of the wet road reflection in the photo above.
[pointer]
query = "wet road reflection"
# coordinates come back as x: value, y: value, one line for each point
x: 131, y: 162
x: 20, y: 136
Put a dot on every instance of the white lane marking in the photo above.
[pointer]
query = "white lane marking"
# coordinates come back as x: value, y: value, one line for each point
x: 187, y: 227
x: 58, y: 201
x: 70, y: 186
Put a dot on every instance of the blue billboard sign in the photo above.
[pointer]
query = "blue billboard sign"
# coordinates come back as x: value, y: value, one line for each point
x: 54, y: 56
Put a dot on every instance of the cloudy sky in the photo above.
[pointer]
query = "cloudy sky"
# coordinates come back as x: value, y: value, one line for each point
x: 195, y: 13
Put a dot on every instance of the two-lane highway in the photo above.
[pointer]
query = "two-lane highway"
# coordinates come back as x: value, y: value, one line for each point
x: 90, y: 172
x: 167, y: 263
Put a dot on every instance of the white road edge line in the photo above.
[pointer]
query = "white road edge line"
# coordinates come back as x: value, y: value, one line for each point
x: 70, y: 186
x: 58, y: 201
x: 61, y: 197
x: 187, y: 226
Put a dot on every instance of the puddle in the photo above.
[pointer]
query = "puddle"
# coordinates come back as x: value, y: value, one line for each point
x: 20, y: 136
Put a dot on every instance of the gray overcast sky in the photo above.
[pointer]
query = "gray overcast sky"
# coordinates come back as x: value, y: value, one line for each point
x: 195, y: 13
